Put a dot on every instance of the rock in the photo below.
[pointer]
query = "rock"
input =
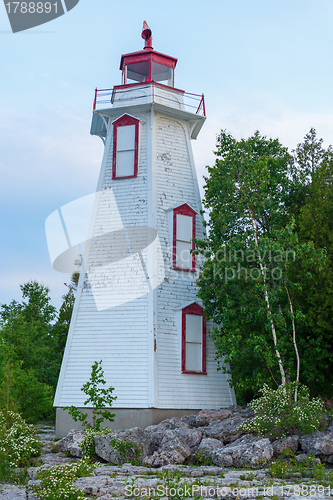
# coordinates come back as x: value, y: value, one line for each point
x: 205, y: 417
x: 158, y: 459
x: 305, y: 458
x: 226, y: 430
x: 330, y: 459
x: 71, y: 443
x: 157, y: 432
x: 247, y: 450
x: 30, y: 495
x: 170, y: 423
x: 61, y: 445
x: 290, y: 442
x: 318, y: 443
x: 136, y: 436
x: 156, y: 436
x: 208, y: 446
x: 92, y: 486
x: 51, y: 459
x: 174, y: 448
x: 10, y: 492
x: 190, y: 420
x: 46, y: 434
x: 329, y: 426
x: 191, y: 437
x: 246, y: 412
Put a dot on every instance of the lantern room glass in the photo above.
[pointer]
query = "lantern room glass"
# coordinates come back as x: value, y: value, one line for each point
x: 139, y: 72
x: 147, y: 71
x: 162, y: 73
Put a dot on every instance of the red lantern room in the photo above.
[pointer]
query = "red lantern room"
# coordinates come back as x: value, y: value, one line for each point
x: 147, y: 65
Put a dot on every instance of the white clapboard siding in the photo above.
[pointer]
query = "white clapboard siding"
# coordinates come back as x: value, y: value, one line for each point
x: 118, y: 335
x: 176, y: 185
x: 139, y: 341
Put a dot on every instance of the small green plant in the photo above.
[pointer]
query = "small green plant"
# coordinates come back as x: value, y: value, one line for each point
x: 246, y: 477
x: 19, y: 442
x: 279, y: 415
x: 305, y: 469
x: 126, y: 449
x: 99, y: 398
x: 201, y: 459
x: 279, y: 469
x: 319, y: 472
x: 287, y: 452
x: 57, y: 483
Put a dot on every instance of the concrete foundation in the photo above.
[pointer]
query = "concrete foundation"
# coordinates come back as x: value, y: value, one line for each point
x: 126, y: 418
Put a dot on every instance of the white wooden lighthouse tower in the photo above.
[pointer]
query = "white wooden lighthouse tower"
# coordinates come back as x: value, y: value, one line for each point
x: 136, y: 306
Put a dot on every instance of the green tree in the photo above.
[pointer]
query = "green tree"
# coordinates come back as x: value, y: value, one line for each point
x: 255, y: 264
x: 29, y: 366
x: 26, y: 331
x: 312, y: 205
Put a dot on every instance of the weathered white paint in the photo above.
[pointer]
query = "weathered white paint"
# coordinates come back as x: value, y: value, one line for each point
x: 139, y: 341
x: 148, y: 93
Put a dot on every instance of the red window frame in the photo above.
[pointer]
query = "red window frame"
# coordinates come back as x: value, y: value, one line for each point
x: 183, y: 210
x: 198, y: 311
x: 120, y: 122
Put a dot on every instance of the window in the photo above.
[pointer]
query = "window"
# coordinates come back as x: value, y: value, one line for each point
x: 183, y: 234
x: 125, y: 147
x: 193, y: 340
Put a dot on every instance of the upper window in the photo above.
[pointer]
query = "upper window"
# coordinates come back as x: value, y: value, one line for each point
x: 183, y: 235
x: 125, y: 147
x: 193, y: 340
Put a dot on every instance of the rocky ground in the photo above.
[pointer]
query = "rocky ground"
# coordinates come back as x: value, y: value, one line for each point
x: 169, y: 449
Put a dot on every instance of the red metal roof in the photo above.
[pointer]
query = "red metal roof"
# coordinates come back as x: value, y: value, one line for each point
x: 147, y: 54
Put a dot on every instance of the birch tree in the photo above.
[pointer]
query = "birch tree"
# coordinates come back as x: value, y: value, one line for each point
x: 254, y: 262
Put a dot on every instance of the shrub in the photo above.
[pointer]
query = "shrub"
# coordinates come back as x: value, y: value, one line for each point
x: 19, y: 441
x: 277, y: 414
x: 57, y: 482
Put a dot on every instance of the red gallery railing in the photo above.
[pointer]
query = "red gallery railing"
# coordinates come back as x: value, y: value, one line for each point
x: 105, y: 97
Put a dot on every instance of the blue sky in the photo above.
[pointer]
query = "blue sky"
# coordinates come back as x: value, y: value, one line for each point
x: 263, y: 65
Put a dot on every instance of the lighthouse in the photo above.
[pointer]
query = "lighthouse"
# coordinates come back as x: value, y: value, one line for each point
x: 136, y: 307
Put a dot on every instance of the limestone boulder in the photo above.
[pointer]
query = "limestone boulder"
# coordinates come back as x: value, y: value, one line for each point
x: 318, y: 443
x: 329, y: 426
x: 11, y: 492
x: 245, y: 451
x: 190, y: 420
x: 290, y: 442
x: 93, y: 486
x: 71, y: 443
x: 208, y: 446
x: 174, y: 449
x: 157, y: 432
x: 191, y: 437
x: 226, y: 431
x: 136, y: 436
x: 205, y: 417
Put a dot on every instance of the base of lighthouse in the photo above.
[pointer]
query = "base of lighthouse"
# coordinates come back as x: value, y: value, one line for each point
x: 126, y: 418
